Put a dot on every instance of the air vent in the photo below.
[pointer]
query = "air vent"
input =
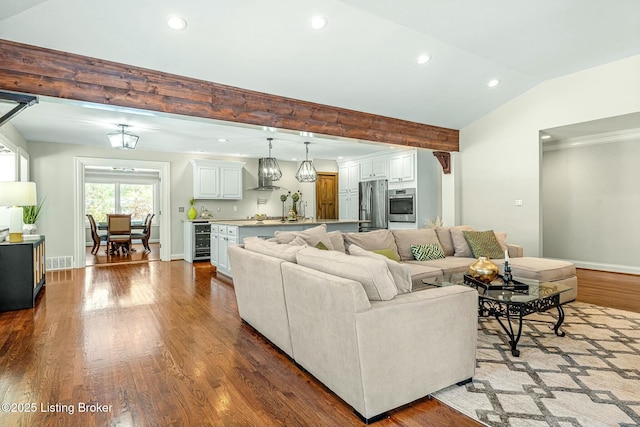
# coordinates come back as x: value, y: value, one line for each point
x: 59, y: 263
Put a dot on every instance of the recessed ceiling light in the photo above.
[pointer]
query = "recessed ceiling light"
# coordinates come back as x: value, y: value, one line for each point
x: 222, y: 140
x: 545, y: 136
x: 293, y: 159
x: 176, y: 23
x: 306, y: 134
x: 318, y: 22
x: 423, y: 59
x: 269, y: 129
x: 493, y: 83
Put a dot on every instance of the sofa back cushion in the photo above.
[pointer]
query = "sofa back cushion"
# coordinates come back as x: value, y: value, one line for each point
x: 460, y: 246
x: 274, y: 249
x: 401, y: 273
x: 372, y: 240
x: 406, y: 238
x: 312, y: 236
x: 372, y: 273
x: 446, y: 240
x: 337, y: 240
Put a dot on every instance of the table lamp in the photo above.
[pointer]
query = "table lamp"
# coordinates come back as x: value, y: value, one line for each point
x: 15, y: 195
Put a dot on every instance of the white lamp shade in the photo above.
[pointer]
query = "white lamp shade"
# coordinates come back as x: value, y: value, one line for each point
x: 18, y: 194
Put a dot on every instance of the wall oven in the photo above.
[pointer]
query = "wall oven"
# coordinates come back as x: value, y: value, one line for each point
x: 402, y: 205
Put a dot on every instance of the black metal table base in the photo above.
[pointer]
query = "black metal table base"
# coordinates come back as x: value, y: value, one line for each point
x: 515, y: 313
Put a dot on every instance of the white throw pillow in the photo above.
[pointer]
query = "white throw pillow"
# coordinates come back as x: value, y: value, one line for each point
x: 401, y: 273
x: 372, y: 274
x: 312, y: 236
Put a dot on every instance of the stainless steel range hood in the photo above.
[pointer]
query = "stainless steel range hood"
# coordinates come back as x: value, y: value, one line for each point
x: 264, y: 183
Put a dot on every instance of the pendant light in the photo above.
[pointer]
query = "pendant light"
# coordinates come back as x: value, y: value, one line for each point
x: 307, y: 172
x: 269, y: 166
x: 122, y: 139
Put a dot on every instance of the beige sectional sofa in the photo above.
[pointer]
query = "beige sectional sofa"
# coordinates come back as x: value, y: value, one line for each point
x: 348, y: 315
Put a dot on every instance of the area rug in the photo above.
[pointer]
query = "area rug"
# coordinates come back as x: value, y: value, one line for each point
x: 590, y: 377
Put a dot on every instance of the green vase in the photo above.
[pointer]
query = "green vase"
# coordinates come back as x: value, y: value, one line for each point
x: 192, y: 213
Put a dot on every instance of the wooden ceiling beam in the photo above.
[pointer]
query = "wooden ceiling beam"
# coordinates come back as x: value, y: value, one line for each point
x: 39, y: 71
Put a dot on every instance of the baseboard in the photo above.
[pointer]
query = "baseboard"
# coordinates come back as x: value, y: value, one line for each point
x: 614, y: 268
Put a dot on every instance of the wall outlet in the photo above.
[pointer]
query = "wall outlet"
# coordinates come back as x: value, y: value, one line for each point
x: 518, y: 202
x: 180, y: 209
x: 235, y: 208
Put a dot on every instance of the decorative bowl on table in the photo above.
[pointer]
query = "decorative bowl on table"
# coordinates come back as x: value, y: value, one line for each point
x: 260, y: 217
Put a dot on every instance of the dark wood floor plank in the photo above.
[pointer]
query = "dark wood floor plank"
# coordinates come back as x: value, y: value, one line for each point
x: 162, y: 343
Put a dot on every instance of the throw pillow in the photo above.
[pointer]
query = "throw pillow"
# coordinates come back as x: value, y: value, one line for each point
x: 427, y: 252
x: 321, y: 246
x: 386, y: 252
x: 460, y: 245
x: 373, y: 274
x: 401, y: 273
x: 311, y: 235
x: 337, y: 240
x: 484, y: 243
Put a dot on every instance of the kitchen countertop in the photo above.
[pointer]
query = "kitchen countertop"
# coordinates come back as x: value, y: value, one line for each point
x: 271, y: 222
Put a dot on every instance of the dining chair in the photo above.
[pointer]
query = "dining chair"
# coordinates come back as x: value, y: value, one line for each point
x: 95, y: 236
x: 119, y: 233
x: 145, y: 234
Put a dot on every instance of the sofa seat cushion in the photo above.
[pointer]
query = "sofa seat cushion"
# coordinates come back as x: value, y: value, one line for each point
x: 312, y: 236
x: 406, y: 238
x: 448, y: 265
x: 372, y: 240
x: 373, y: 274
x: 401, y: 273
x: 541, y: 269
x: 282, y: 251
x: 420, y: 271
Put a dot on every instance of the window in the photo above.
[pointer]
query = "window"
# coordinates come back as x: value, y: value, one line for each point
x: 120, y: 192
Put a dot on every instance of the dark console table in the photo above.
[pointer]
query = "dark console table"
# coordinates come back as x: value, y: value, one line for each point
x: 22, y: 273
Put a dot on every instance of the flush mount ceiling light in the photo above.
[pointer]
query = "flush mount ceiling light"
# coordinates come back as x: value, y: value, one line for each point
x: 176, y: 23
x: 319, y: 22
x: 423, y: 59
x: 493, y: 83
x: 122, y: 139
x: 307, y: 172
x: 269, y: 167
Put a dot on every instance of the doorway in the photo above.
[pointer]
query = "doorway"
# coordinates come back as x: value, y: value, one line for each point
x: 163, y: 215
x: 327, y: 195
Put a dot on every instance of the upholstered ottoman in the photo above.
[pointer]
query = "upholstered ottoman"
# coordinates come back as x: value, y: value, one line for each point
x: 545, y: 270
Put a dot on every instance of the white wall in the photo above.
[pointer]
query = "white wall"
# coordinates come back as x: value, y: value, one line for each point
x: 52, y: 168
x: 500, y: 153
x: 591, y: 203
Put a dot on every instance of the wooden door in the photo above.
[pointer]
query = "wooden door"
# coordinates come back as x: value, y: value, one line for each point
x: 327, y: 195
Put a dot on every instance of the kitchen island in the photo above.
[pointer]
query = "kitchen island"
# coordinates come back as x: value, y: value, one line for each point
x: 225, y: 233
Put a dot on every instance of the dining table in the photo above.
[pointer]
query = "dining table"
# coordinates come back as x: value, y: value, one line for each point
x: 135, y: 225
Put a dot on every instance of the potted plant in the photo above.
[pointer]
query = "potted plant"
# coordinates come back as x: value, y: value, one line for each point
x: 30, y: 215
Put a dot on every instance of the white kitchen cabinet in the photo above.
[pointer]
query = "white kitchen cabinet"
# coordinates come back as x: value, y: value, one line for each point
x: 217, y: 179
x: 402, y: 167
x: 348, y: 177
x: 348, y: 206
x: 373, y: 168
x: 222, y: 236
x: 348, y: 180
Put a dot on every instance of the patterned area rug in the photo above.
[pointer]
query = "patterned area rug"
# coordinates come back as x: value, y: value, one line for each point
x: 590, y: 377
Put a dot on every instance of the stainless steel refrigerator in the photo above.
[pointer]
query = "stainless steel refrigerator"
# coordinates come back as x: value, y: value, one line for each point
x: 373, y: 205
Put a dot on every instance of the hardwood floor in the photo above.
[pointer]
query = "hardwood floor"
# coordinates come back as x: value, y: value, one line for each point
x: 156, y: 344
x: 138, y: 255
x: 615, y: 290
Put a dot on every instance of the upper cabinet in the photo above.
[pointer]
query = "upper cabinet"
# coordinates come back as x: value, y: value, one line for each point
x: 348, y: 177
x: 373, y: 168
x: 402, y: 167
x: 217, y: 179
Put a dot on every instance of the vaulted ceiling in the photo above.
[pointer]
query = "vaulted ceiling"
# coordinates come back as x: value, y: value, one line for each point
x: 365, y: 59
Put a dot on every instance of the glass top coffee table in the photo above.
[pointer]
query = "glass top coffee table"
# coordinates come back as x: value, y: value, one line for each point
x: 510, y: 303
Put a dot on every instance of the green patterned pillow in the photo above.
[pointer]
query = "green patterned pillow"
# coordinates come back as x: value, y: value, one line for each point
x: 427, y: 251
x: 484, y: 243
x: 388, y: 253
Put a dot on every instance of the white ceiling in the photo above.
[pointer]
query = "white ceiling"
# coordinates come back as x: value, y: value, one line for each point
x: 365, y: 59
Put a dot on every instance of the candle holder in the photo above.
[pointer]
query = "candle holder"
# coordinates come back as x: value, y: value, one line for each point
x: 507, y: 277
